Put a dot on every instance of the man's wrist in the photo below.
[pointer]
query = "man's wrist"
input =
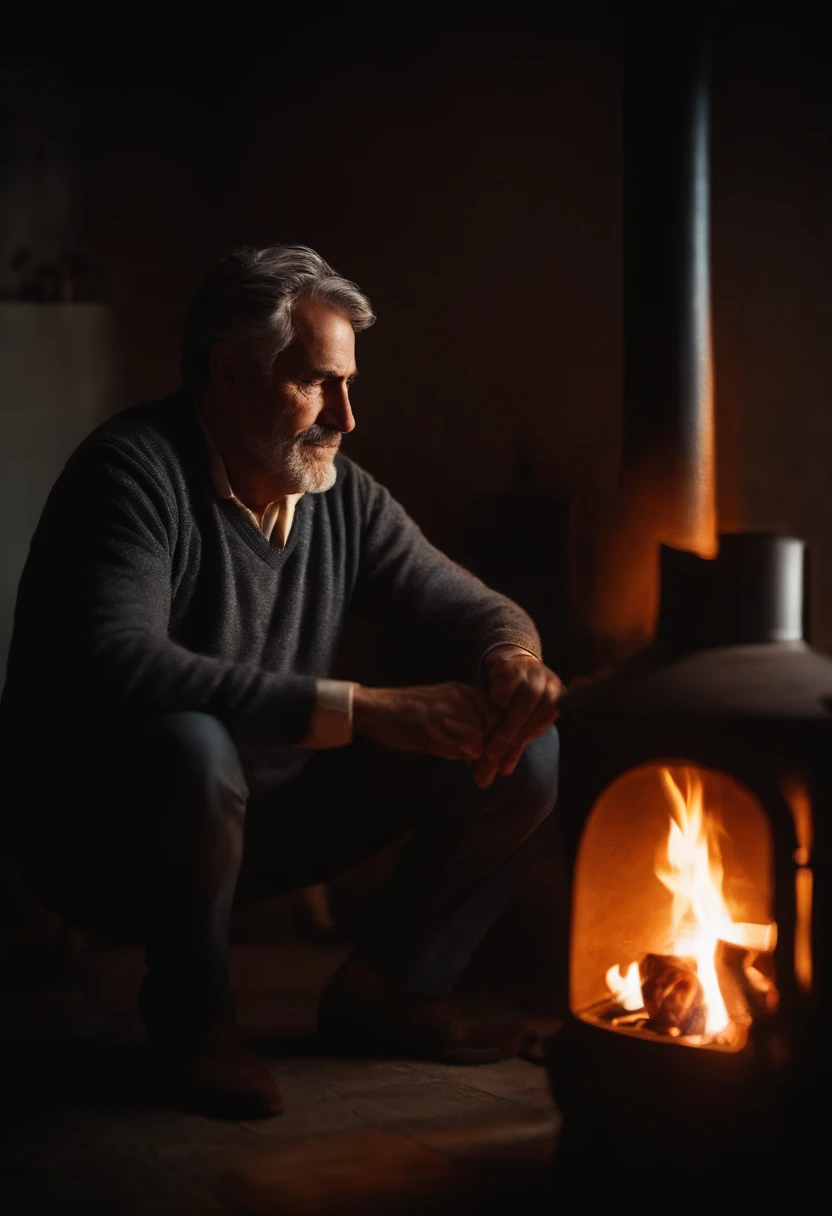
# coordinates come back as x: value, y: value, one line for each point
x: 365, y: 708
x: 331, y: 724
x: 506, y: 650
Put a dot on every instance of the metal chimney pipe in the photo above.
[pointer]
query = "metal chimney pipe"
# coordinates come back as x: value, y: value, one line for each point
x: 667, y: 441
x: 667, y: 487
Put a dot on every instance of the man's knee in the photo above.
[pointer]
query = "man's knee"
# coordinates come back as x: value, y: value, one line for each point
x: 190, y: 758
x: 534, y: 782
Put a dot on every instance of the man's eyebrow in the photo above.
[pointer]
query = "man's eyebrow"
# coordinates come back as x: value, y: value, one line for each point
x: 328, y: 373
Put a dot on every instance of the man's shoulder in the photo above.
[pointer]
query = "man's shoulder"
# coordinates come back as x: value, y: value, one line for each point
x: 156, y: 435
x: 357, y: 489
x: 353, y: 478
x: 151, y: 427
x: 362, y: 497
x: 154, y: 445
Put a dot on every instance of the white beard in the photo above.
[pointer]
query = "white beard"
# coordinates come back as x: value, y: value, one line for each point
x: 309, y: 471
x: 306, y: 471
x: 313, y: 476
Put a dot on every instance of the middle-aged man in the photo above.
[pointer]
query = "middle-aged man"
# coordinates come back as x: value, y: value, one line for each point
x: 172, y: 737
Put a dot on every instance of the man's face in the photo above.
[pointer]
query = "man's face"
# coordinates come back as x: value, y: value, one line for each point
x: 293, y: 425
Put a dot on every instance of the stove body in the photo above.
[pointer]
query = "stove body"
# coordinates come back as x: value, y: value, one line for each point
x: 731, y: 703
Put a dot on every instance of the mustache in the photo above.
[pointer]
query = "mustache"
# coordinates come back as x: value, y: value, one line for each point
x: 320, y: 434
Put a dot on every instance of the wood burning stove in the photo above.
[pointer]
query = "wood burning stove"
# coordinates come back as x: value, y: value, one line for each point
x: 695, y: 780
x: 693, y: 785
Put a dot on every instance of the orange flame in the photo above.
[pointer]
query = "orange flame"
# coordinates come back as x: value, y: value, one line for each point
x: 625, y: 986
x: 691, y: 869
x: 693, y: 876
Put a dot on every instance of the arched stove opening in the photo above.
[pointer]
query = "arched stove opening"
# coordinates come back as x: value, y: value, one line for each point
x: 673, y: 927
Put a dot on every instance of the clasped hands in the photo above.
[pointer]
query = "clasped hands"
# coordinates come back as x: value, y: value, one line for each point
x: 522, y: 696
x: 487, y: 726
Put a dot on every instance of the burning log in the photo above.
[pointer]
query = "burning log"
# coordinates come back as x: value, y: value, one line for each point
x: 673, y: 995
x: 752, y: 992
x: 630, y: 1021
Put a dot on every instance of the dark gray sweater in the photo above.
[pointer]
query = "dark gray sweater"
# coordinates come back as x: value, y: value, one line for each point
x: 145, y: 593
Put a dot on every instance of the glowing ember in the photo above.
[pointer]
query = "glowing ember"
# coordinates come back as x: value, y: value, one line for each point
x: 692, y: 871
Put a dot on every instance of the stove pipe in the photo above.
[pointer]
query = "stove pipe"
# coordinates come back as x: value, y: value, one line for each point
x: 667, y: 491
x: 668, y: 429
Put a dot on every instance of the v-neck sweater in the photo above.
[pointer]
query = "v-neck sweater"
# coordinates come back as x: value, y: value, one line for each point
x: 144, y: 593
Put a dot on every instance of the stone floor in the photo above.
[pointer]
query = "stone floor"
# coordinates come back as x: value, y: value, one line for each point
x: 84, y: 1136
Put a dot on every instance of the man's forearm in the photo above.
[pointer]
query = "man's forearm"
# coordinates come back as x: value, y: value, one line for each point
x: 134, y: 671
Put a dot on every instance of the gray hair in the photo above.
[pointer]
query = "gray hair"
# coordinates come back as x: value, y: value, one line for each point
x: 250, y: 296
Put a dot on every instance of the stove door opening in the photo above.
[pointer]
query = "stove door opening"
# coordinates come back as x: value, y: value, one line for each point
x: 673, y: 933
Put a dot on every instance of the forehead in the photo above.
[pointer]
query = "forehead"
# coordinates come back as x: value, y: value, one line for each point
x: 325, y: 336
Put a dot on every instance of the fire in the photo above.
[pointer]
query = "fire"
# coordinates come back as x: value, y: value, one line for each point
x: 693, y: 875
x: 625, y: 986
x: 683, y: 978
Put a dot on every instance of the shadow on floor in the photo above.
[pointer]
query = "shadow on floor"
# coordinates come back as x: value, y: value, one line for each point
x: 85, y: 1132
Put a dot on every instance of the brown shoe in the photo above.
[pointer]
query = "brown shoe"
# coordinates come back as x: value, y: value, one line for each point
x: 361, y: 1011
x: 211, y: 1071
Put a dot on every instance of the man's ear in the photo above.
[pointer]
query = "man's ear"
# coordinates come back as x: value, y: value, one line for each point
x: 223, y: 363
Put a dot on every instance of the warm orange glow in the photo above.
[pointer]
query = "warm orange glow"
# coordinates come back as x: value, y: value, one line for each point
x: 701, y: 520
x: 803, y: 931
x: 801, y: 808
x: 693, y: 875
x: 690, y: 867
x: 660, y: 500
x: 800, y: 805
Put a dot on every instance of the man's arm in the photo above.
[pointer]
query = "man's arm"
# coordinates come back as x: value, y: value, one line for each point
x: 405, y: 577
x: 446, y: 720
x: 106, y: 545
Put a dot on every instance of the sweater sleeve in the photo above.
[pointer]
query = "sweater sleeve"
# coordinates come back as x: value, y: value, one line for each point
x: 118, y: 520
x: 402, y: 575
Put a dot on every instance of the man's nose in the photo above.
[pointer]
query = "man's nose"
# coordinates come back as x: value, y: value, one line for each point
x: 338, y: 411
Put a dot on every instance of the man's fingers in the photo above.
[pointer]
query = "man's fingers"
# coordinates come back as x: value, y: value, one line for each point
x: 502, y: 687
x: 455, y: 725
x: 511, y: 759
x: 467, y: 734
x: 547, y: 712
x: 537, y: 725
x: 526, y: 699
x: 530, y: 710
x: 453, y: 745
x: 503, y: 766
x: 467, y: 748
x: 485, y: 772
x: 458, y: 744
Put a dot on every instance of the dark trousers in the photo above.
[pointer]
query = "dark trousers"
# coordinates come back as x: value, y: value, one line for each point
x: 165, y: 829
